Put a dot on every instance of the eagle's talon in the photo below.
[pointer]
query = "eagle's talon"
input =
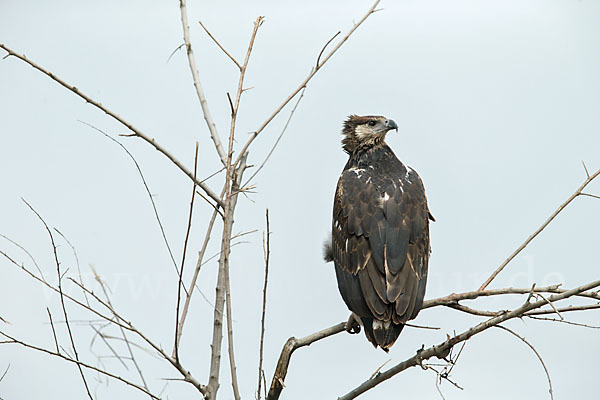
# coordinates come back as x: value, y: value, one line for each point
x: 353, y: 324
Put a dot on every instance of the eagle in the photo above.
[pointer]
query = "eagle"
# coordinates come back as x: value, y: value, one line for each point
x: 380, y: 233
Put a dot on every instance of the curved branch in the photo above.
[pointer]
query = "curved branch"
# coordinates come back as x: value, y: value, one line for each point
x: 536, y: 353
x: 290, y: 346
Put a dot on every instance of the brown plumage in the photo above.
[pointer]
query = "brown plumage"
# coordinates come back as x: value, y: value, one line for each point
x: 380, y: 232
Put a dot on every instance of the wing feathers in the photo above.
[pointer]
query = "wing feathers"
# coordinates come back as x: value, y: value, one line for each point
x: 380, y: 244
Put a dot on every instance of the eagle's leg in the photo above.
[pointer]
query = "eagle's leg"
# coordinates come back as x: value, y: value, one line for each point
x: 353, y: 324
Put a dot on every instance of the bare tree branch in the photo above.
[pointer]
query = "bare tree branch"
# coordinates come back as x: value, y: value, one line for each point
x: 196, y: 273
x: 267, y: 251
x: 564, y: 321
x: 219, y: 45
x: 128, y: 125
x: 141, y: 174
x: 232, y: 182
x: 455, y: 297
x: 185, y: 243
x: 442, y: 350
x: 287, y: 123
x: 220, y: 289
x: 292, y: 344
x: 541, y: 228
x: 76, y: 261
x: 123, y: 333
x: 304, y: 82
x: 232, y: 368
x: 536, y: 353
x: 26, y: 252
x: 199, y: 91
x: 62, y: 299
x: 53, y: 330
x: 80, y: 364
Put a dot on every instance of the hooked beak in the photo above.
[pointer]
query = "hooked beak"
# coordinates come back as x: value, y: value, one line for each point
x: 390, y: 124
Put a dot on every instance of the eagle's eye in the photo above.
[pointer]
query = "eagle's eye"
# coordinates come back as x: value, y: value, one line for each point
x: 372, y: 123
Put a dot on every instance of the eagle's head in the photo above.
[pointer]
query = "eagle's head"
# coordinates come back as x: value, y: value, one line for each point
x: 365, y: 131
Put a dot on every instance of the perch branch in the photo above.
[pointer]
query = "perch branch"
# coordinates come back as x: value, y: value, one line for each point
x: 440, y: 351
x: 292, y: 344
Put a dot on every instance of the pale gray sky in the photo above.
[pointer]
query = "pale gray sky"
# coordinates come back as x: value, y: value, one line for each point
x: 497, y: 104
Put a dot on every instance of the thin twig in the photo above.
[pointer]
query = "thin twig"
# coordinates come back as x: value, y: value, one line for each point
x: 210, y: 123
x: 26, y: 252
x: 62, y: 300
x: 5, y: 372
x: 188, y: 298
x: 108, y: 345
x: 303, y: 84
x: 590, y: 195
x: 587, y: 173
x: 541, y: 228
x: 324, y: 47
x: 380, y: 368
x: 536, y: 353
x: 123, y: 333
x: 551, y: 305
x: 53, y: 330
x: 287, y: 123
x: 267, y: 251
x: 120, y: 321
x: 564, y: 321
x: 219, y: 44
x: 185, y: 243
x: 128, y: 125
x: 211, y: 204
x: 80, y: 364
x: 150, y: 196
x: 76, y: 261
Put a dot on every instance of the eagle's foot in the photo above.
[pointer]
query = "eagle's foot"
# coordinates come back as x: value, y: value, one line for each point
x: 353, y: 324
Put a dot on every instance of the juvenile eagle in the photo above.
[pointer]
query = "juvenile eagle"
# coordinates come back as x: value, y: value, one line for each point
x: 380, y: 232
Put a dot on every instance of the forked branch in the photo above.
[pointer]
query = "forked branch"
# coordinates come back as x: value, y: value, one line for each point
x: 303, y: 84
x: 442, y: 350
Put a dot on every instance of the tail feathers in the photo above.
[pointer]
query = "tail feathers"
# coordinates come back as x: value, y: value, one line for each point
x: 382, y: 333
x: 327, y: 250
